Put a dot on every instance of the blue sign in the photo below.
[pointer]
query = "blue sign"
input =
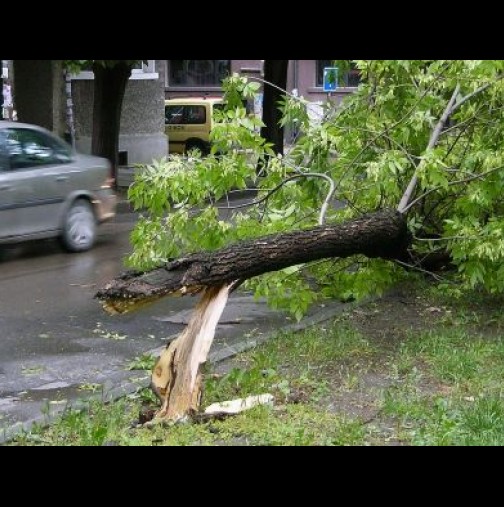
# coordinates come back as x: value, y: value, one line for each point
x: 330, y: 79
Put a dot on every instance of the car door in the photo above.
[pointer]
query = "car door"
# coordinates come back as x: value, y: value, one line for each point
x: 39, y: 174
x: 8, y: 226
x: 195, y: 122
x: 174, y: 121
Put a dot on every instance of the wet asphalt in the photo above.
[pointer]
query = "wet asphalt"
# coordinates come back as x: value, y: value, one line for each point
x: 57, y: 346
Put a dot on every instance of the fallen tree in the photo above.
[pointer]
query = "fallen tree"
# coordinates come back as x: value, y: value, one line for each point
x: 439, y: 182
x: 177, y: 378
x: 382, y: 234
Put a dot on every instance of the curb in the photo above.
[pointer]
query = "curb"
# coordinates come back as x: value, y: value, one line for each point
x: 112, y: 392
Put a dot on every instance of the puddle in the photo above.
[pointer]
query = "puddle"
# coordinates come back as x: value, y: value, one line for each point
x: 49, y: 392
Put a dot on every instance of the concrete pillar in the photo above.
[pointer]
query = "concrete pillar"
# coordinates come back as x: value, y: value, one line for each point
x: 39, y: 93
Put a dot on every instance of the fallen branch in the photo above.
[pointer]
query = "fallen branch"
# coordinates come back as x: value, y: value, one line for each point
x: 451, y: 107
x: 381, y: 234
x: 323, y: 209
x: 434, y: 138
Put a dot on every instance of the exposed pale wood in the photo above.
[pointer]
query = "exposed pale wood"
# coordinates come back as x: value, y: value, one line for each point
x: 234, y: 407
x: 176, y: 377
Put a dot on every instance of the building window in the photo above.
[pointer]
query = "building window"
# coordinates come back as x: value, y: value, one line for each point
x: 139, y: 71
x: 197, y: 73
x: 351, y: 79
x: 142, y: 68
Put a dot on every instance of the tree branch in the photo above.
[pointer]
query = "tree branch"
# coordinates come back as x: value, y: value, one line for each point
x: 432, y: 143
x: 394, y: 125
x: 477, y: 91
x: 452, y: 106
x: 457, y: 182
x: 382, y: 234
x: 323, y: 210
x: 421, y: 270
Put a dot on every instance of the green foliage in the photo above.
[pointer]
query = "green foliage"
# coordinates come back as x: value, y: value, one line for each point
x: 370, y: 146
x: 145, y: 362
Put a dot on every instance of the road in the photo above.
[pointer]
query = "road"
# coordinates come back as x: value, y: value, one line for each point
x: 55, y: 340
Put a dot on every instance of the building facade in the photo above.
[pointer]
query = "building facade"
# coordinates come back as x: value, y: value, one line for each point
x: 305, y: 78
x: 40, y: 96
x: 142, y: 136
x: 203, y: 77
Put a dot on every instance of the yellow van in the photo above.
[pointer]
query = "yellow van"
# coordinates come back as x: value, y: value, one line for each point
x: 188, y: 122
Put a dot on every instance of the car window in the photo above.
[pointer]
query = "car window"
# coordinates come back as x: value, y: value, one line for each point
x: 31, y: 148
x: 195, y: 115
x: 174, y: 115
x: 4, y: 156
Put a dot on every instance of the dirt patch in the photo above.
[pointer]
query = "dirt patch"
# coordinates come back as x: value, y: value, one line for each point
x: 391, y: 319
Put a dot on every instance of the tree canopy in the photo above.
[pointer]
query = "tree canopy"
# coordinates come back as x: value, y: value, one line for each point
x: 424, y: 137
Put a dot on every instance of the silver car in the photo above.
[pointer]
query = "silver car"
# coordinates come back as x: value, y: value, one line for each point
x: 48, y: 190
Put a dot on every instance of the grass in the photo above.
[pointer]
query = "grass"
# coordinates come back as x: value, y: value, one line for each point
x: 418, y: 369
x: 145, y: 362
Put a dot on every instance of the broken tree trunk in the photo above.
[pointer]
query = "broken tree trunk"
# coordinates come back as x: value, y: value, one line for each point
x: 176, y: 377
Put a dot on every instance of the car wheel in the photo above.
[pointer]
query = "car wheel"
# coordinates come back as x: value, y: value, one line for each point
x: 199, y: 145
x: 79, y: 229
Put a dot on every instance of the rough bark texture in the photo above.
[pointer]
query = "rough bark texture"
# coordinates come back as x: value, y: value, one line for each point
x: 176, y: 378
x: 109, y: 89
x: 381, y: 234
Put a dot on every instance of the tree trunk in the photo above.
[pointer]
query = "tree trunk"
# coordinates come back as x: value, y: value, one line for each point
x: 109, y: 89
x: 381, y: 234
x: 275, y: 71
x: 1, y: 87
x: 176, y: 378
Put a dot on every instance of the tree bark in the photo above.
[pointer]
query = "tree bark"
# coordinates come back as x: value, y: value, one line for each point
x: 381, y: 234
x: 275, y: 72
x: 109, y: 89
